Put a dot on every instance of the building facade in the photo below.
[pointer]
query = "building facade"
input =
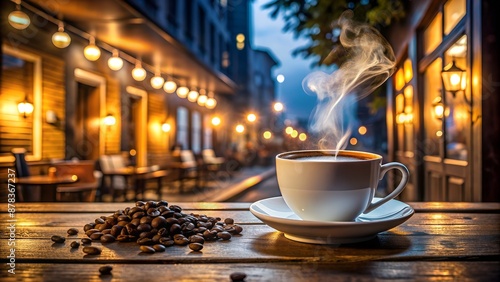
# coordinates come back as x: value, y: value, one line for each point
x: 83, y: 108
x: 444, y: 125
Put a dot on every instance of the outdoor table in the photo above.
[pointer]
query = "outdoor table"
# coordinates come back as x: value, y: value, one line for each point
x: 48, y: 184
x: 139, y: 176
x: 441, y: 241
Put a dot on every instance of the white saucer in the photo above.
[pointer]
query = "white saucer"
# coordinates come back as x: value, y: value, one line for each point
x: 275, y: 213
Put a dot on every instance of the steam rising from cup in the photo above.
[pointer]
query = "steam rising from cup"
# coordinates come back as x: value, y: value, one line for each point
x: 365, y: 61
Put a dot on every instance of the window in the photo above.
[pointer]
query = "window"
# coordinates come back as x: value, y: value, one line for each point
x: 172, y: 12
x: 196, y: 132
x: 457, y: 114
x: 20, y: 78
x: 188, y: 19
x: 182, y: 127
x: 433, y: 34
x: 201, y: 30
x: 404, y: 107
x: 207, y: 132
x: 432, y: 95
x: 454, y: 11
x: 212, y: 36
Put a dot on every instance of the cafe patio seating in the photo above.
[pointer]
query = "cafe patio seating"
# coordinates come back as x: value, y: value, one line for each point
x: 22, y: 170
x: 188, y: 169
x: 88, y: 181
x: 110, y: 163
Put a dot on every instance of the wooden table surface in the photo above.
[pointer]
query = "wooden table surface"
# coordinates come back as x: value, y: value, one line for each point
x: 48, y: 183
x: 442, y: 241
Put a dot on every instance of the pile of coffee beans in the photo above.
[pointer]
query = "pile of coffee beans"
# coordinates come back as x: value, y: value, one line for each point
x: 155, y: 225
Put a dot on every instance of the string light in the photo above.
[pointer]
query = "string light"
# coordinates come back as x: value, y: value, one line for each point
x: 61, y: 39
x: 193, y: 96
x: 211, y: 102
x: 115, y: 62
x: 92, y: 52
x: 18, y: 19
x: 182, y: 91
x: 157, y: 81
x: 202, y: 99
x: 138, y: 73
x: 170, y: 86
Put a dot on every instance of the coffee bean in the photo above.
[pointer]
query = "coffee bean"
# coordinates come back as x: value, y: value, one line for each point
x: 144, y: 241
x: 146, y: 219
x: 86, y: 241
x: 175, y: 229
x: 107, y: 238
x: 75, y: 244
x: 196, y: 239
x: 229, y: 221
x: 57, y: 239
x: 72, y: 231
x: 237, y: 229
x: 96, y: 236
x: 105, y: 270
x: 122, y: 238
x: 159, y: 222
x: 91, y: 250
x: 166, y: 241
x: 88, y: 226
x: 181, y: 241
x: 106, y: 231
x: 91, y: 231
x: 209, y: 236
x: 176, y: 208
x: 116, y: 230
x: 99, y: 220
x: 144, y: 227
x: 147, y: 249
x: 237, y: 276
x: 159, y: 248
x: 196, y: 247
x: 224, y: 235
x: 140, y: 203
x: 138, y: 214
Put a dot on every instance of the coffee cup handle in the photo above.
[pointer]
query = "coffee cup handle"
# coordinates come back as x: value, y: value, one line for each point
x: 385, y: 168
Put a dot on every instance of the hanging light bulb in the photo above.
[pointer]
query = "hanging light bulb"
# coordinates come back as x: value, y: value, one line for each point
x: 182, y: 91
x: 138, y: 73
x: 193, y: 96
x: 202, y: 99
x: 157, y: 81
x: 170, y: 86
x: 61, y: 39
x: 210, y: 103
x: 92, y: 52
x: 18, y: 19
x: 115, y: 62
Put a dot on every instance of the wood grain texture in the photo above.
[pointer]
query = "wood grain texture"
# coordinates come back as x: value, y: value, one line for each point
x: 432, y: 245
x: 362, y: 271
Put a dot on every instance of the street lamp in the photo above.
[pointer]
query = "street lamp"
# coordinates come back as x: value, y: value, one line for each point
x: 278, y: 107
x: 251, y: 117
x: 453, y: 78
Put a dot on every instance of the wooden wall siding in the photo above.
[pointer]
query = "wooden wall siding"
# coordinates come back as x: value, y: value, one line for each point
x: 112, y: 136
x: 53, y: 99
x: 158, y: 141
x: 15, y: 130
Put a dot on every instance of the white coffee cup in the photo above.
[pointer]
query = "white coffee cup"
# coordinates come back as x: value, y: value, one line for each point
x: 318, y: 186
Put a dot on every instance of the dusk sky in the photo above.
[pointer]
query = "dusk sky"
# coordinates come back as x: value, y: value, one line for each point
x: 268, y: 34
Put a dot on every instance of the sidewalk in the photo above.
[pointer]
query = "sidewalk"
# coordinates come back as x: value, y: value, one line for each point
x: 219, y: 188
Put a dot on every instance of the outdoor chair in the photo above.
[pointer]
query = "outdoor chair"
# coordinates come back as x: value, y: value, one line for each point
x: 88, y: 181
x: 109, y: 163
x: 22, y: 170
x: 189, y: 168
